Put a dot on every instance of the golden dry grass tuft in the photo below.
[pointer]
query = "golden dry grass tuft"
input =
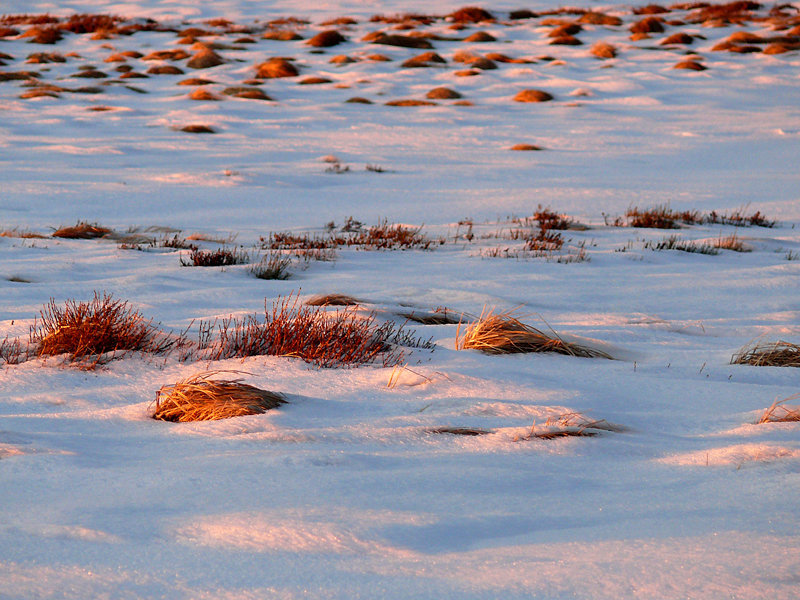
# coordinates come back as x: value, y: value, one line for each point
x: 770, y: 354
x: 778, y: 413
x: 502, y: 333
x: 87, y: 332
x: 201, y: 398
x: 572, y: 424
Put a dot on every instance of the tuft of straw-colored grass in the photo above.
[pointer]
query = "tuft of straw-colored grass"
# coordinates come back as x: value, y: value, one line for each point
x: 502, y: 333
x: 778, y: 413
x: 770, y: 354
x: 731, y: 242
x: 201, y: 398
x: 572, y: 424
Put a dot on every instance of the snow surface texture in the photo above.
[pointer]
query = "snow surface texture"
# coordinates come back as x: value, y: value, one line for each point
x: 344, y: 492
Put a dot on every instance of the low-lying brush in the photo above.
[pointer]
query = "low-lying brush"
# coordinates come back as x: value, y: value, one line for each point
x: 221, y: 257
x: 201, y: 398
x: 739, y: 219
x: 82, y: 231
x: 325, y: 339
x: 91, y: 333
x: 502, y: 333
x: 572, y: 424
x: 778, y: 413
x: 771, y: 354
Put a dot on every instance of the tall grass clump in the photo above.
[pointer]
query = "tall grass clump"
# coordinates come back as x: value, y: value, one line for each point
x: 273, y: 266
x: 88, y: 331
x: 201, y: 398
x: 502, y: 333
x: 326, y: 339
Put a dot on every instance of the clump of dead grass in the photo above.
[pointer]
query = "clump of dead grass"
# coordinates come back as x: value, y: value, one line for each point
x: 769, y: 354
x: 94, y: 332
x: 572, y: 424
x: 202, y: 398
x: 502, y: 333
x: 221, y: 257
x: 82, y: 231
x: 325, y: 339
x: 332, y: 300
x: 778, y: 413
x: 273, y: 266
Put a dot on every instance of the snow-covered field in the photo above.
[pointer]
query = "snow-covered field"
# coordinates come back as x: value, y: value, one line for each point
x: 345, y: 492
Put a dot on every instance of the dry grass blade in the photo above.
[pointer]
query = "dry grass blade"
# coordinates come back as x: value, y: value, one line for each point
x: 777, y: 413
x: 440, y: 316
x: 572, y: 424
x: 201, y: 398
x: 502, y: 333
x: 772, y: 354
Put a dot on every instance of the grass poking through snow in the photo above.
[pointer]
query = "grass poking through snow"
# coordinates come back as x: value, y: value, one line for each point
x: 201, y: 398
x: 770, y: 354
x: 502, y: 333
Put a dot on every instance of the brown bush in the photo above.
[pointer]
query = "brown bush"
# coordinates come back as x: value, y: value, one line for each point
x: 165, y: 70
x: 276, y: 68
x: 471, y: 14
x: 691, y: 65
x: 201, y: 398
x: 603, y: 50
x: 204, y: 95
x: 533, y: 96
x: 86, y: 331
x: 595, y: 18
x: 247, y: 93
x: 283, y: 35
x: 426, y: 59
x: 326, y: 39
x: 197, y: 128
x: 403, y: 41
x: 442, y: 93
x: 648, y: 25
x: 410, y: 102
x: 480, y: 37
x: 205, y: 59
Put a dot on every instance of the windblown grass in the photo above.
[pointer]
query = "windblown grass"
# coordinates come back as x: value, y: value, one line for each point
x: 502, y: 333
x: 201, y: 398
x: 440, y: 316
x: 468, y: 431
x: 572, y: 424
x: 778, y: 413
x: 91, y: 333
x: 770, y: 354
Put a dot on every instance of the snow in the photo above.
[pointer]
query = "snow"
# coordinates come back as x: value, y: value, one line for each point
x: 344, y: 492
